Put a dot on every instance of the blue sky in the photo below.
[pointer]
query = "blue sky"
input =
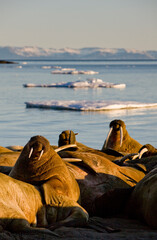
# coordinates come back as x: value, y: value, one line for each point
x: 82, y: 23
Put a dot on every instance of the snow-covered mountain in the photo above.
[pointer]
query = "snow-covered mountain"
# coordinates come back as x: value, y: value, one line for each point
x: 92, y: 53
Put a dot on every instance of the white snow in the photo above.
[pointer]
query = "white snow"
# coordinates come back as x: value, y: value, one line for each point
x: 88, y: 105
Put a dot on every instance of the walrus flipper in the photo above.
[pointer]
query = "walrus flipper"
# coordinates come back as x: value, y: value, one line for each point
x: 96, y: 224
x: 77, y: 216
x: 22, y: 225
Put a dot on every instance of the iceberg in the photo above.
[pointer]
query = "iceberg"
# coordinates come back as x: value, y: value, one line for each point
x: 89, y: 83
x: 88, y: 105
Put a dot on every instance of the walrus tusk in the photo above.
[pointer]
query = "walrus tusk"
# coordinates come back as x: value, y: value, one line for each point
x: 133, y: 155
x: 121, y: 135
x: 142, y: 152
x: 42, y: 151
x: 108, y: 136
x: 65, y: 147
x: 30, y: 154
x: 72, y: 159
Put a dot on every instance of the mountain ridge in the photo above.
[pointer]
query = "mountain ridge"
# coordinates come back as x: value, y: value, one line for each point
x: 86, y: 53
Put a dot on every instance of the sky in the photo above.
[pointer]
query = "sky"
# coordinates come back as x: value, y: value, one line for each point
x: 130, y: 24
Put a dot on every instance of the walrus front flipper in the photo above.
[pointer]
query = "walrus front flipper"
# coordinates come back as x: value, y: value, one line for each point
x: 23, y: 226
x: 96, y: 224
x: 72, y: 213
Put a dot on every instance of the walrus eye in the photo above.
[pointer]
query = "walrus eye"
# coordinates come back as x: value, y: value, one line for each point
x: 41, y: 153
x: 30, y: 154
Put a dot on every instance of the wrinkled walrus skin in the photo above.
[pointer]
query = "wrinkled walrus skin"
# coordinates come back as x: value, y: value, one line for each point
x: 143, y: 201
x: 119, y: 139
x: 21, y: 207
x: 40, y: 165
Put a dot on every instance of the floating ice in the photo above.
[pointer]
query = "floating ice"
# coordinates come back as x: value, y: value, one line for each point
x: 72, y: 71
x: 48, y: 67
x: 19, y: 66
x: 89, y: 83
x: 88, y: 105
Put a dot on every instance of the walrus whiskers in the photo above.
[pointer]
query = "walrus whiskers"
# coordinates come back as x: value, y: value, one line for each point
x: 30, y: 153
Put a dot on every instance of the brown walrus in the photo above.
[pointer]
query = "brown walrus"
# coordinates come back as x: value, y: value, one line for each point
x: 143, y: 201
x: 96, y: 175
x: 39, y: 164
x: 119, y: 139
x: 8, y: 158
x: 21, y: 207
x: 4, y: 150
x: 69, y: 137
x: 147, y: 150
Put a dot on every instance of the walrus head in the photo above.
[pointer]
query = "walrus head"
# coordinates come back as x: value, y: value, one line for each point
x: 147, y: 150
x: 119, y: 139
x: 38, y: 145
x: 67, y: 137
x: 115, y: 135
x: 37, y: 161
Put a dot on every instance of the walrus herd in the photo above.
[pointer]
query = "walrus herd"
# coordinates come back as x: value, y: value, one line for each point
x: 43, y: 187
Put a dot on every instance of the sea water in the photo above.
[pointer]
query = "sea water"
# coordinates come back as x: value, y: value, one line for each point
x: 18, y: 123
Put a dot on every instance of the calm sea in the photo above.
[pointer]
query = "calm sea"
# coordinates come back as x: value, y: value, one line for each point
x: 18, y: 123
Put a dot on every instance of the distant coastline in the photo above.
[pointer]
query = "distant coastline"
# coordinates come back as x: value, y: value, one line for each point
x: 73, y: 54
x: 6, y: 62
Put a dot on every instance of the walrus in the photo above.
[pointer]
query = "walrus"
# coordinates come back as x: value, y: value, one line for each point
x: 67, y: 137
x: 4, y: 150
x: 21, y: 207
x: 9, y: 158
x: 142, y: 203
x: 40, y: 165
x: 96, y: 175
x: 119, y: 139
x: 147, y: 150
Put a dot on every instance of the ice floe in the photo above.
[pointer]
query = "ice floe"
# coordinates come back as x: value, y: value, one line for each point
x: 89, y: 83
x: 49, y: 67
x: 88, y: 105
x: 72, y: 71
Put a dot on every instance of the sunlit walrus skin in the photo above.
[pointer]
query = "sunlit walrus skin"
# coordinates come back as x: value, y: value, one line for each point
x: 21, y: 207
x: 40, y: 165
x: 119, y: 139
x: 143, y: 200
